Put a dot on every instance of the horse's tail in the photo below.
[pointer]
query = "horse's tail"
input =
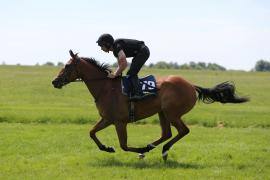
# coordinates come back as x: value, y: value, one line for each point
x: 223, y: 93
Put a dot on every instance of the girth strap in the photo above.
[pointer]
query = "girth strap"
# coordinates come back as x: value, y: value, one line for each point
x: 131, y: 111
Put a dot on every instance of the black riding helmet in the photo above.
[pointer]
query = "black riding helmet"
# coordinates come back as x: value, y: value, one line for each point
x: 106, y: 40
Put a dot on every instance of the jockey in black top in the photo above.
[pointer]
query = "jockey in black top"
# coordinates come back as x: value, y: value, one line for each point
x: 122, y: 49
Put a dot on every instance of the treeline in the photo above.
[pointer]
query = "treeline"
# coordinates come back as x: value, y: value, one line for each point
x: 190, y: 65
x: 52, y: 64
x: 260, y: 66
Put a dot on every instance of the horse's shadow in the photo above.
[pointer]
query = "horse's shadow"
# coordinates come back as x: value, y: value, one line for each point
x: 142, y: 164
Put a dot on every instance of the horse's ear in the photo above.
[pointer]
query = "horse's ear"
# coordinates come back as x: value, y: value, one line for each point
x: 72, y: 54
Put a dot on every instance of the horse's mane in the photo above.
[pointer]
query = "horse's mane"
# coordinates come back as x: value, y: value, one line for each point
x: 103, y: 67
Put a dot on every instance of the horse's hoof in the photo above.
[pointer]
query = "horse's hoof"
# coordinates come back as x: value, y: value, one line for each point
x: 165, y: 155
x: 141, y: 156
x: 110, y: 149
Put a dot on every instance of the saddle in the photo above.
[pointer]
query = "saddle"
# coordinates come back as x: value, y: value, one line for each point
x: 147, y: 85
x: 148, y: 88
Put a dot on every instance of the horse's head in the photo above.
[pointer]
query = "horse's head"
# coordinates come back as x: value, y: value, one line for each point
x: 69, y: 73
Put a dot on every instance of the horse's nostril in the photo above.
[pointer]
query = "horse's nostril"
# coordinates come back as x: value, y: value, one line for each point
x: 54, y: 82
x: 57, y: 83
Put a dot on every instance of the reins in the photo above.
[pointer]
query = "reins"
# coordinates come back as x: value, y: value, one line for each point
x: 94, y: 79
x: 80, y: 79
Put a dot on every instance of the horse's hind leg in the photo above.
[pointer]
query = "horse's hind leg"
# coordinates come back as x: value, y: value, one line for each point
x: 166, y: 132
x: 182, y: 131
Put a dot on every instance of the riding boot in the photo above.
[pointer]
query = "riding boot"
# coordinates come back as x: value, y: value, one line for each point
x: 137, y: 93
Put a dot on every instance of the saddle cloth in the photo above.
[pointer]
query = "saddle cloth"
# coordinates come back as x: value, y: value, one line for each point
x: 147, y: 84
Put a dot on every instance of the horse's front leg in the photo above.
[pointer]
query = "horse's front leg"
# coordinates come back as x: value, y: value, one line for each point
x: 121, y: 129
x: 99, y: 126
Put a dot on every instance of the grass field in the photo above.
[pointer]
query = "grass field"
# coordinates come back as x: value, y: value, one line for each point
x: 44, y: 132
x: 26, y: 95
x: 41, y: 151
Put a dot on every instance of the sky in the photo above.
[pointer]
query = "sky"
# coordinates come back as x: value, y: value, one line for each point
x: 231, y: 33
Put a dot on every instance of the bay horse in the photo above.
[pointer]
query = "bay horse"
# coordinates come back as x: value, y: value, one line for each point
x: 175, y: 98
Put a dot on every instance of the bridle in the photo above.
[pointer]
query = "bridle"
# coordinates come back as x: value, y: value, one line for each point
x: 64, y: 77
x: 69, y: 68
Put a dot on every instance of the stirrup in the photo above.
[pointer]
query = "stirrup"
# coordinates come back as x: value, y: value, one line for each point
x: 131, y: 111
x: 148, y: 94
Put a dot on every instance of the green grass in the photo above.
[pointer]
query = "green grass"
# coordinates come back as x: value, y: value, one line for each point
x: 43, y: 134
x: 26, y: 95
x: 42, y: 151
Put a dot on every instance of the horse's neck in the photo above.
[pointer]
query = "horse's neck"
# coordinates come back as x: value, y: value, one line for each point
x: 95, y: 86
x: 94, y: 80
x: 100, y: 88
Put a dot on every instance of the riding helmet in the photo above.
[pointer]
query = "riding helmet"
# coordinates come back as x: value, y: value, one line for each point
x: 105, y: 39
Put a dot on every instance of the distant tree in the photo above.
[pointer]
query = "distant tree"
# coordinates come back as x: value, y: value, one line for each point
x: 262, y: 65
x: 162, y: 65
x: 211, y: 66
x: 192, y: 65
x: 184, y: 66
x: 173, y: 65
x: 48, y: 64
x: 60, y: 64
x: 214, y: 66
x: 151, y: 65
x: 201, y: 65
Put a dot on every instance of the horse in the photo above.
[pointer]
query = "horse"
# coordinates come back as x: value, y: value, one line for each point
x: 175, y: 97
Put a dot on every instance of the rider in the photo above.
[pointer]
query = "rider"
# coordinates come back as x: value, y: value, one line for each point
x: 122, y: 49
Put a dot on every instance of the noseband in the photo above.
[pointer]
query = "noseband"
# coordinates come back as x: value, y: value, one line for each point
x: 69, y: 68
